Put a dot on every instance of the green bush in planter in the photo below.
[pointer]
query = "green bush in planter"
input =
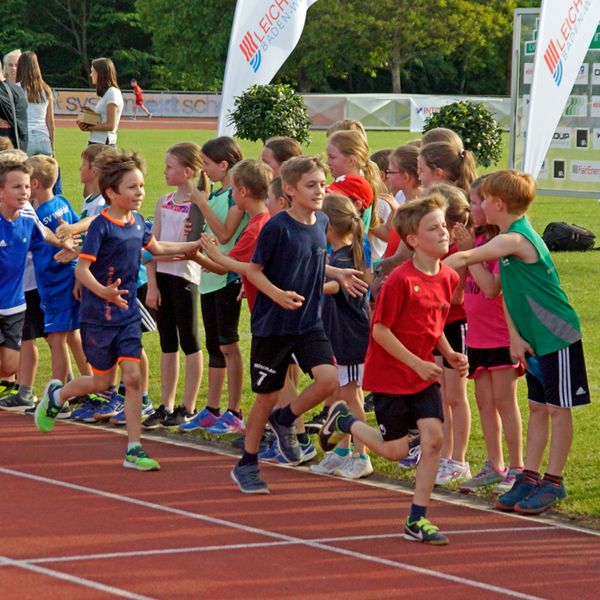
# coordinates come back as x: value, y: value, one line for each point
x: 477, y: 127
x: 264, y: 111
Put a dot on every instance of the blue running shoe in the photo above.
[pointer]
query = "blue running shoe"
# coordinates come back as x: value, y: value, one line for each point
x: 272, y: 453
x: 519, y: 491
x: 286, y: 439
x: 541, y: 499
x: 227, y: 423
x: 203, y: 420
x: 248, y: 479
x: 308, y: 453
x: 110, y: 408
x: 119, y: 418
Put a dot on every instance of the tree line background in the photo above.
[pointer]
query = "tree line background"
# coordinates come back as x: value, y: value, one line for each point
x: 348, y: 46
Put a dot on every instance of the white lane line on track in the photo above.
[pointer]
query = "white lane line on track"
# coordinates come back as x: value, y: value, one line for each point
x: 271, y: 534
x: 81, y: 581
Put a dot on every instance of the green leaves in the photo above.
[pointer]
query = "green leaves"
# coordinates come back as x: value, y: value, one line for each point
x: 477, y: 127
x: 264, y: 111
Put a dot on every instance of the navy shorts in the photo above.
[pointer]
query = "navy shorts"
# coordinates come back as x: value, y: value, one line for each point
x: 271, y: 356
x: 491, y: 359
x: 398, y: 413
x: 33, y: 327
x: 559, y: 378
x: 11, y: 330
x: 104, y: 347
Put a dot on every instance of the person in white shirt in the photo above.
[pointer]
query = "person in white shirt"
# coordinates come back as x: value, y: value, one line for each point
x: 110, y: 105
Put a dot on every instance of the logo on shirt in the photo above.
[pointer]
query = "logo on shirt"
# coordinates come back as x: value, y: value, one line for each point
x: 417, y: 289
x: 3, y: 244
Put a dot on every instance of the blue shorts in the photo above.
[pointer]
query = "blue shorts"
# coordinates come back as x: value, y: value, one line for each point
x: 61, y: 318
x: 104, y: 347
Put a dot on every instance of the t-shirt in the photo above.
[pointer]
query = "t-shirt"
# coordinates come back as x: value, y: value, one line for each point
x: 137, y: 91
x: 414, y: 306
x: 15, y: 238
x: 114, y: 248
x: 244, y: 249
x: 54, y: 280
x: 173, y: 216
x: 535, y: 301
x: 384, y: 210
x: 93, y: 205
x: 111, y: 96
x: 221, y: 202
x: 293, y: 258
x: 346, y: 319
x: 394, y: 240
x: 485, y: 316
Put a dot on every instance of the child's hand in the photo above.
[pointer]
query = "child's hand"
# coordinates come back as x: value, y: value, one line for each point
x: 198, y: 197
x: 350, y: 280
x: 66, y: 256
x: 428, y: 371
x: 114, y: 295
x: 77, y: 290
x: 463, y: 237
x: 69, y: 244
x: 153, y: 297
x: 459, y: 362
x: 290, y: 300
x: 64, y: 230
x: 519, y: 348
x: 210, y: 247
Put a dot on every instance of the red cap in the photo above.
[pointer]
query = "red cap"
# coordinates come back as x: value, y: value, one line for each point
x: 355, y: 187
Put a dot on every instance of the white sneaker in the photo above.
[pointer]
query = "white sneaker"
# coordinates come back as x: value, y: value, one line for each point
x: 355, y: 468
x: 330, y: 463
x: 452, y: 470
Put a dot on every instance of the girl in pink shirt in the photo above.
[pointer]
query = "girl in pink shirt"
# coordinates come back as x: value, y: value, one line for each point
x: 491, y: 366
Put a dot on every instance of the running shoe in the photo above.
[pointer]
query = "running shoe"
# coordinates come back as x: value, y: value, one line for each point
x: 411, y: 460
x: 452, y: 470
x: 330, y: 434
x: 486, y: 476
x: 47, y: 409
x: 286, y: 439
x: 155, y: 419
x: 111, y: 408
x: 13, y: 401
x: 355, y: 468
x: 331, y: 463
x: 65, y: 411
x: 542, y: 498
x: 520, y: 490
x: 507, y: 483
x: 227, y: 423
x: 248, y: 479
x: 271, y: 453
x: 202, y: 420
x: 315, y: 424
x: 6, y: 386
x: 119, y: 418
x: 136, y: 458
x: 424, y: 531
x: 178, y: 417
x: 308, y: 453
x: 85, y: 412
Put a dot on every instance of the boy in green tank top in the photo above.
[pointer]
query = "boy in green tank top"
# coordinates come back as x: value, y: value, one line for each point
x: 545, y: 334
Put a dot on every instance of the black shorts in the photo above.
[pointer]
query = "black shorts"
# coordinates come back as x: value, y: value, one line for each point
x: 398, y: 413
x: 270, y: 357
x: 11, y: 330
x: 559, y: 379
x: 456, y: 334
x: 33, y: 327
x: 491, y: 359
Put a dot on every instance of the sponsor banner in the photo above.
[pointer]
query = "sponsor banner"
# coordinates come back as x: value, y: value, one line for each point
x: 527, y: 73
x: 263, y: 34
x: 566, y: 29
x: 160, y: 104
x: 585, y: 170
x: 562, y: 138
x: 596, y: 74
x: 595, y: 106
x: 583, y: 77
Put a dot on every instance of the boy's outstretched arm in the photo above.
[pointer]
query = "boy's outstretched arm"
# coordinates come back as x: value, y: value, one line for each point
x: 111, y: 293
x: 519, y: 348
x: 349, y: 279
x: 222, y: 263
x: 502, y: 245
x: 287, y: 299
x: 428, y: 371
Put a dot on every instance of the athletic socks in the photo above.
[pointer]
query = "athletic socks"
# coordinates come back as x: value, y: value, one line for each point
x: 236, y: 413
x: 531, y: 476
x: 25, y: 392
x: 416, y: 512
x: 285, y: 416
x: 342, y: 451
x: 248, y: 459
x: 215, y: 411
x: 555, y: 480
x: 303, y: 438
x: 344, y: 423
x: 132, y: 445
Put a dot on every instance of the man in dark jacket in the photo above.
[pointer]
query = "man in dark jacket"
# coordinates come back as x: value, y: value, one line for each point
x: 13, y: 121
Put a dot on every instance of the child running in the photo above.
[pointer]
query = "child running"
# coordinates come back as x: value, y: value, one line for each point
x: 288, y: 268
x: 407, y: 325
x: 491, y: 366
x: 111, y: 328
x: 545, y: 334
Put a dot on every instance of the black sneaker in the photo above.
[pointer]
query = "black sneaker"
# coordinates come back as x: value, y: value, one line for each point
x: 13, y: 401
x: 178, y: 417
x: 155, y: 420
x: 315, y: 424
x: 287, y: 440
x: 330, y: 434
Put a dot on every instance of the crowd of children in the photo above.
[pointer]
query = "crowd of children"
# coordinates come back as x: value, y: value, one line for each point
x: 405, y: 276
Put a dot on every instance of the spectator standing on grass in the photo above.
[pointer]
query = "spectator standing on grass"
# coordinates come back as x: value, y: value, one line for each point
x: 13, y: 113
x: 110, y: 106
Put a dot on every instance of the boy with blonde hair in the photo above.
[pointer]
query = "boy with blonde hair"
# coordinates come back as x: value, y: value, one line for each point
x: 545, y: 334
x: 407, y: 324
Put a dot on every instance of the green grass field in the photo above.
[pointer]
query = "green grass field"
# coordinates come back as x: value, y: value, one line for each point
x: 580, y: 275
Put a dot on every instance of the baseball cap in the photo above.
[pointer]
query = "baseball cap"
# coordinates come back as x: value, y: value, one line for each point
x: 355, y: 187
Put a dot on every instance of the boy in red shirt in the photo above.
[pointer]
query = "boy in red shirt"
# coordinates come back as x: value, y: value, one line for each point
x: 138, y: 99
x: 407, y: 324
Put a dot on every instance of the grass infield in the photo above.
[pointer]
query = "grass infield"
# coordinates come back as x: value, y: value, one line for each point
x: 579, y: 272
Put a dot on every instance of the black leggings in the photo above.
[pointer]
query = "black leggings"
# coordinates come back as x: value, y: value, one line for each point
x: 177, y: 315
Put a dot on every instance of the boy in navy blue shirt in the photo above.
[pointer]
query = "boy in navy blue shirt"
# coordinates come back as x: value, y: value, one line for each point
x: 110, y: 317
x: 288, y: 269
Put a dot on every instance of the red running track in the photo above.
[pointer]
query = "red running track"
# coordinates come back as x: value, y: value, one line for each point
x: 75, y: 524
